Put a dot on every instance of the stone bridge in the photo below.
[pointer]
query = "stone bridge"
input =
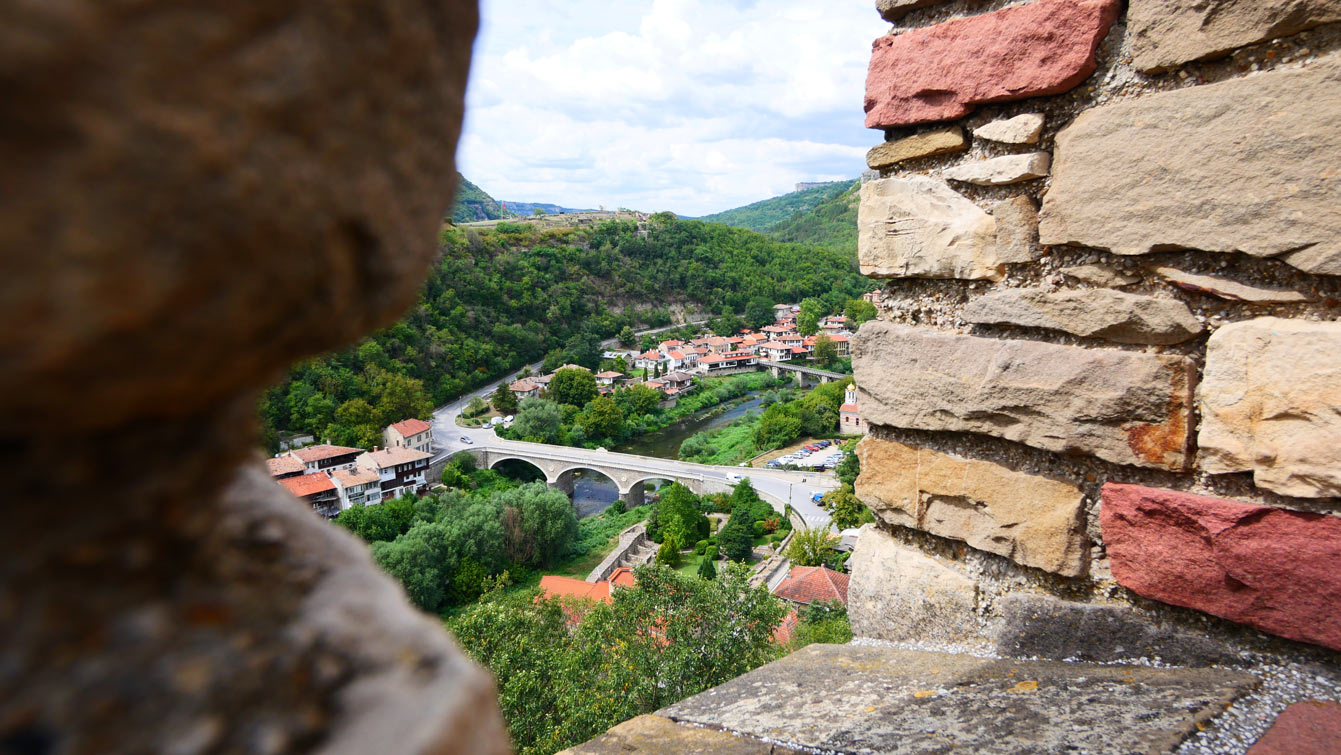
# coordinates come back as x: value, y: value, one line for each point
x: 823, y: 376
x: 628, y: 472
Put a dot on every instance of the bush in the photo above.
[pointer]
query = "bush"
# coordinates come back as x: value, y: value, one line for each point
x: 758, y: 528
x: 700, y: 547
x: 707, y: 570
x: 669, y: 553
x: 710, y: 554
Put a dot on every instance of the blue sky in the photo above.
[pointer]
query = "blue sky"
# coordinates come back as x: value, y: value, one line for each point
x: 692, y: 106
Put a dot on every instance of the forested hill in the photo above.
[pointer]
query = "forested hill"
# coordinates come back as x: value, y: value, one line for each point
x: 473, y: 204
x: 761, y: 216
x: 831, y: 223
x: 499, y: 299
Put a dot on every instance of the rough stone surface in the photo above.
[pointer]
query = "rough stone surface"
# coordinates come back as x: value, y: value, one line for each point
x: 857, y: 699
x: 1308, y: 728
x: 918, y: 227
x: 941, y: 72
x: 657, y: 735
x: 898, y: 593
x: 1034, y: 521
x: 1167, y: 33
x: 210, y: 191
x: 1275, y: 570
x: 1124, y: 407
x: 1112, y: 315
x: 893, y: 10
x: 1269, y: 398
x: 999, y: 171
x: 1016, y: 230
x: 1228, y: 289
x: 926, y: 144
x: 1022, y: 129
x: 1124, y: 181
x: 1100, y: 275
x: 1040, y: 626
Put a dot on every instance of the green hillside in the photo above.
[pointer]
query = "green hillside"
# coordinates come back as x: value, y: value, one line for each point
x: 831, y: 224
x: 473, y: 204
x: 761, y: 216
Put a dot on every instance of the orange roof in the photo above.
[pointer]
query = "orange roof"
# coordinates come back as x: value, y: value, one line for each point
x: 783, y: 634
x: 308, y: 484
x: 555, y: 586
x: 838, y: 337
x: 284, y: 465
x: 676, y: 355
x: 349, y: 477
x: 523, y: 386
x: 610, y: 374
x: 773, y: 345
x: 623, y: 576
x: 852, y: 408
x: 808, y: 584
x: 317, y: 453
x: 409, y: 427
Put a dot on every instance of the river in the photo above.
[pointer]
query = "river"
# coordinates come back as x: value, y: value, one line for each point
x: 594, y: 492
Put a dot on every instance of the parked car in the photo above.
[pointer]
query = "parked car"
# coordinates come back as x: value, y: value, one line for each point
x: 734, y: 477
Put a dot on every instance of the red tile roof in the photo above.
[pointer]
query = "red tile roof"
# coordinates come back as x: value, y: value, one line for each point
x: 409, y: 427
x: 318, y: 453
x: 808, y: 584
x: 523, y: 386
x: 555, y: 586
x: 284, y: 465
x: 308, y: 484
x: 850, y: 408
x: 783, y: 634
x: 610, y: 375
x: 676, y: 355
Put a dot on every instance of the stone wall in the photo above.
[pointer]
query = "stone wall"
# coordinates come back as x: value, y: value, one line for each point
x: 1105, y: 386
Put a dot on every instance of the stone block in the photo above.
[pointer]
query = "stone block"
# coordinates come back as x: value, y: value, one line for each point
x: 1227, y: 289
x: 899, y: 593
x: 893, y: 10
x: 926, y: 144
x: 1022, y: 129
x: 1123, y: 407
x: 940, y: 72
x: 1111, y: 315
x: 656, y: 735
x: 1100, y: 275
x: 1016, y: 230
x: 856, y: 699
x: 1269, y: 402
x: 999, y: 171
x: 1275, y: 570
x: 1308, y: 728
x: 1168, y: 33
x: 1041, y: 626
x: 1034, y: 521
x: 918, y: 227
x: 1249, y: 168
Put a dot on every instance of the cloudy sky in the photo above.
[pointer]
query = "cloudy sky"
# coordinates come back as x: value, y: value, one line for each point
x: 693, y: 106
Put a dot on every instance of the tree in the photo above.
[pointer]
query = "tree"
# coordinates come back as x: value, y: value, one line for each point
x: 807, y: 320
x: 538, y: 420
x: 422, y: 560
x: 397, y: 397
x: 539, y: 524
x: 850, y: 467
x: 846, y: 510
x: 627, y: 337
x: 573, y: 387
x: 737, y: 539
x: 707, y: 569
x: 859, y: 311
x: 759, y: 312
x: 638, y: 399
x: 777, y: 427
x: 821, y: 622
x: 355, y: 425
x: 826, y: 351
x: 812, y: 547
x: 679, y: 516
x: 669, y: 553
x: 602, y: 418
x: 504, y: 401
x: 476, y: 407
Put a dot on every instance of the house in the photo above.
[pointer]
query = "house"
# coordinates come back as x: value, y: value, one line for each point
x: 570, y: 367
x: 542, y: 381
x: 399, y: 470
x: 571, y: 590
x: 677, y: 359
x: 326, y: 457
x: 524, y: 389
x: 804, y: 585
x: 730, y: 361
x: 791, y: 340
x: 649, y: 360
x: 608, y: 377
x: 317, y: 489
x: 357, y: 487
x: 775, y: 351
x: 410, y: 433
x: 680, y: 381
x: 843, y: 342
x: 284, y: 465
x: 834, y: 325
x: 773, y: 331
x: 849, y: 419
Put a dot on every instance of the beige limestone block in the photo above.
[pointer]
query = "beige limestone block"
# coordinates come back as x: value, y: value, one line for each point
x: 1228, y: 289
x: 1271, y: 404
x: 1022, y: 129
x: 1016, y: 230
x: 926, y: 144
x: 1034, y: 521
x: 897, y: 593
x: 893, y: 10
x: 1167, y: 33
x: 918, y: 227
x: 1100, y: 275
x: 1112, y: 315
x: 1121, y: 406
x: 1247, y: 165
x: 999, y: 171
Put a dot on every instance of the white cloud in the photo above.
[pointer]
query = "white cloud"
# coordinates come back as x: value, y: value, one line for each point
x: 693, y: 106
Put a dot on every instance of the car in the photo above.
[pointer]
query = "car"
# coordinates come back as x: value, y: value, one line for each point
x: 602, y: 450
x: 508, y: 419
x: 817, y: 497
x: 735, y: 477
x: 466, y: 439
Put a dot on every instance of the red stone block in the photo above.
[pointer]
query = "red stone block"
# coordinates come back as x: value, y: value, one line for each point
x: 1310, y: 728
x: 940, y: 72
x: 1278, y: 571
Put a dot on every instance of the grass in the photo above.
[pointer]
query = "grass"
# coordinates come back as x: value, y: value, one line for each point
x: 689, y: 563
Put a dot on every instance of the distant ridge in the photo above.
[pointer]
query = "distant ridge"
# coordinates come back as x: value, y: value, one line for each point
x: 762, y: 216
x: 526, y: 209
x: 473, y: 204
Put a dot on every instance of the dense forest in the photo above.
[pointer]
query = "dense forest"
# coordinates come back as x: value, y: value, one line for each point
x: 510, y: 296
x: 762, y: 216
x: 831, y: 223
x: 472, y: 204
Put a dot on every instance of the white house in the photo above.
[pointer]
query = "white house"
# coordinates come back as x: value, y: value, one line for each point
x: 410, y: 433
x: 775, y: 351
x: 399, y: 470
x: 357, y: 487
